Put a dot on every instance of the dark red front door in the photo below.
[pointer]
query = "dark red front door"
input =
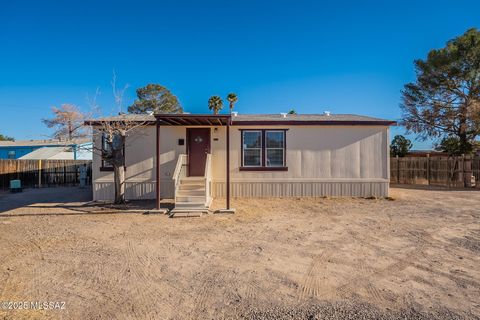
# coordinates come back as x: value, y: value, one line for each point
x: 198, y: 146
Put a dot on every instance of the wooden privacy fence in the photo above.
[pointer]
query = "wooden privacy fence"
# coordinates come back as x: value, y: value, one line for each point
x: 42, y: 173
x: 441, y: 171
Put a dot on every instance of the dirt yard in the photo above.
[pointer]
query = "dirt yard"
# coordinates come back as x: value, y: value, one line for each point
x: 415, y: 257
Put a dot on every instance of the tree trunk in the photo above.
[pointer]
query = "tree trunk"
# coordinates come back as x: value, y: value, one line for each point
x: 118, y: 163
x: 464, y: 143
x: 119, y: 178
x: 70, y: 130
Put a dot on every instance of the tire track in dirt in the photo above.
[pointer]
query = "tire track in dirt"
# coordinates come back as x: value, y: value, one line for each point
x: 461, y: 281
x: 218, y: 288
x: 312, y: 283
x: 253, y: 290
x: 141, y: 281
x: 371, y: 291
x: 206, y: 293
x: 6, y: 258
x: 345, y: 290
x: 374, y: 293
x: 86, y: 286
x: 427, y: 239
x: 19, y: 254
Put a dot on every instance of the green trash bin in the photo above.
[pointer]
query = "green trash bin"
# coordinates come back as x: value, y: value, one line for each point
x: 15, y: 186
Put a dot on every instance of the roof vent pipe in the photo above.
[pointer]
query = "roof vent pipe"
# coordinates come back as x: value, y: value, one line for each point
x: 327, y: 113
x: 284, y: 115
x: 234, y: 113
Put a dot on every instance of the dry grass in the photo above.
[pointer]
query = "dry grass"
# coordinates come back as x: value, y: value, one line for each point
x: 415, y: 257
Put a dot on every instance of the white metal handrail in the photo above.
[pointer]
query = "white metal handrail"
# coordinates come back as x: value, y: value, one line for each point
x: 179, y: 170
x: 208, y: 179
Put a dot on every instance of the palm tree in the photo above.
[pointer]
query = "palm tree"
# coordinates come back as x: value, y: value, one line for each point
x: 215, y: 103
x: 232, y: 99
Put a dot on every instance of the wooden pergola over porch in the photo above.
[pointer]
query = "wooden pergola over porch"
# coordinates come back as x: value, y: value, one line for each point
x: 197, y: 120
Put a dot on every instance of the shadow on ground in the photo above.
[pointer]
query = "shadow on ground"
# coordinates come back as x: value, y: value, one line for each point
x: 68, y: 201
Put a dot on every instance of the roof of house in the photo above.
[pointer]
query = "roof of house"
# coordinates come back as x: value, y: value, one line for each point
x: 46, y: 142
x: 327, y: 119
x: 127, y: 117
x: 44, y: 153
x: 250, y: 119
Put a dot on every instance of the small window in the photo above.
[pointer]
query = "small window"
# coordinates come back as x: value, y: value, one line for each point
x: 274, y: 148
x: 106, y: 149
x: 11, y: 154
x: 263, y: 150
x: 252, y: 148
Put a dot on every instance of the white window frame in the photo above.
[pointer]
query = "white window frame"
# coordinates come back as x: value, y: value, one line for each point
x: 243, y: 149
x: 282, y: 148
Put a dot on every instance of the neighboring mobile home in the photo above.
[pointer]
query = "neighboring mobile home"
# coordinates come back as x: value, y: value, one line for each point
x: 77, y: 149
x: 261, y: 155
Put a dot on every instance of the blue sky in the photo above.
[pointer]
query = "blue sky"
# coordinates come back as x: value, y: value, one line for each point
x: 342, y: 56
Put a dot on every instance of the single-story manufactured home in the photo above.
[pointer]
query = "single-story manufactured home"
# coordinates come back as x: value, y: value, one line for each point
x: 194, y: 158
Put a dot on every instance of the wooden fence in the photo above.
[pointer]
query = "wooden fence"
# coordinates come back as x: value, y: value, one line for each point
x: 440, y: 171
x: 42, y: 173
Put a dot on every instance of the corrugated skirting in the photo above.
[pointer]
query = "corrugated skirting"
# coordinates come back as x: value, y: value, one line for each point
x: 249, y: 189
x: 133, y: 190
x: 302, y: 189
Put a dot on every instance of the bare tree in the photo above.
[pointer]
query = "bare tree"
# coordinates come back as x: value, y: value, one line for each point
x: 113, y: 132
x: 68, y: 122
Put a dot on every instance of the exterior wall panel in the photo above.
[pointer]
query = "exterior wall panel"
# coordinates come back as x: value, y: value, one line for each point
x: 140, y: 159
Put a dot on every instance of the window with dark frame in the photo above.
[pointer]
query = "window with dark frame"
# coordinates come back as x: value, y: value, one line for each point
x: 105, y: 149
x: 252, y: 148
x: 274, y: 148
x: 105, y: 165
x: 263, y: 149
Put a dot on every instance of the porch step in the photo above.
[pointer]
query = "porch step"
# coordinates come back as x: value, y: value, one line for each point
x: 195, y: 187
x: 184, y: 213
x: 190, y: 198
x: 193, y: 180
x: 190, y: 192
x: 190, y: 205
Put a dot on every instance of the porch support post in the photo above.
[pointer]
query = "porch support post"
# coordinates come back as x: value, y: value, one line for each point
x: 228, y: 165
x: 158, y: 166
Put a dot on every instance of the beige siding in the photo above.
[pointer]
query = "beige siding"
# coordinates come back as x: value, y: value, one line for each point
x: 321, y: 161
x: 141, y: 164
x: 316, y: 152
